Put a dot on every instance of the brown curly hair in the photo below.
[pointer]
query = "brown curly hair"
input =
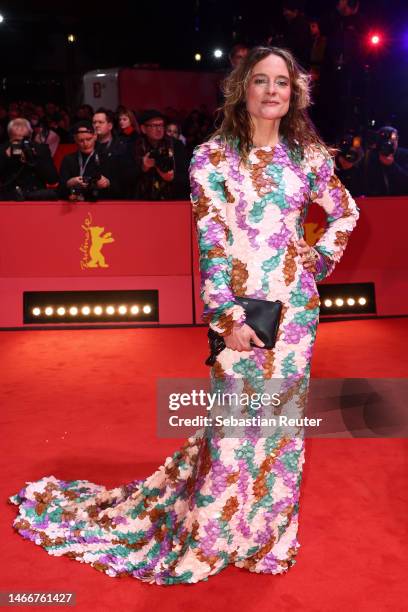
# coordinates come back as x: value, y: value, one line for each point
x: 295, y: 127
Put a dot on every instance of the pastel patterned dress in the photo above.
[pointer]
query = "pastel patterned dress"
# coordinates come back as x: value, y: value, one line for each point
x: 218, y: 500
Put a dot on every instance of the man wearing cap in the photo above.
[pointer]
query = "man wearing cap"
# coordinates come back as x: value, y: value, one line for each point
x: 85, y: 174
x: 161, y: 161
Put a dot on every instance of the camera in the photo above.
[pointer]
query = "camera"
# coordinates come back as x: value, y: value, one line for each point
x: 384, y: 141
x: 163, y: 156
x: 350, y: 148
x: 25, y: 147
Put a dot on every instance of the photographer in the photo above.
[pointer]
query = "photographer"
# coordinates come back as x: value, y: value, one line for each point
x: 349, y: 164
x: 386, y: 165
x: 161, y: 162
x: 85, y: 174
x: 26, y: 167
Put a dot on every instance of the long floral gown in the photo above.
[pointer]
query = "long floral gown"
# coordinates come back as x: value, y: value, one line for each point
x: 218, y: 500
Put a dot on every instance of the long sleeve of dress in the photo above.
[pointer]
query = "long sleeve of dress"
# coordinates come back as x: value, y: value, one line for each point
x: 209, y: 203
x: 342, y: 213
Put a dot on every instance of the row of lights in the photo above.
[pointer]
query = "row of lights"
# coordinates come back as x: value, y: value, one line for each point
x: 340, y: 302
x: 86, y: 310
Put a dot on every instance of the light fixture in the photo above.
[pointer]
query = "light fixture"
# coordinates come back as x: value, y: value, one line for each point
x: 87, y: 307
x: 347, y: 299
x: 217, y: 53
x: 71, y: 38
x: 197, y: 57
x: 375, y: 39
x: 1, y: 18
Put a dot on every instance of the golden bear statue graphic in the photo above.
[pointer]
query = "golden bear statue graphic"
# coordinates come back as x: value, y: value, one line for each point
x: 98, y: 240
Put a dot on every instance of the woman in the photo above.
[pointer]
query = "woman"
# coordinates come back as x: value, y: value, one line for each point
x: 173, y: 130
x: 223, y: 500
x: 128, y: 126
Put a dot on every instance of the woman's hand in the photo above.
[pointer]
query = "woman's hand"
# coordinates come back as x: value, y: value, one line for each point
x: 240, y: 337
x: 308, y: 255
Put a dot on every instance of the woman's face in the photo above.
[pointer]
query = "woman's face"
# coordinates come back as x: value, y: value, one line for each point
x: 269, y: 90
x: 172, y: 130
x: 124, y: 122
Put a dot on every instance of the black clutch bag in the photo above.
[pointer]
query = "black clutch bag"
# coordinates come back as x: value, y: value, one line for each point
x: 262, y: 315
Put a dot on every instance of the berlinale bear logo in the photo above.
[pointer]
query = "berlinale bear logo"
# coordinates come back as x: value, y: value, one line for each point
x: 94, y: 241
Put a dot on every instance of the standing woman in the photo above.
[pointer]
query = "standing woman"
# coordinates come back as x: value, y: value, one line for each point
x: 252, y: 183
x: 225, y: 500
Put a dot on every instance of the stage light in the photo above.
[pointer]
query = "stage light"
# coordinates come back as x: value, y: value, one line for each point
x: 87, y: 307
x: 362, y: 301
x: 1, y: 18
x: 375, y: 39
x: 339, y: 302
x: 197, y: 57
x: 101, y: 74
x: 217, y: 53
x: 351, y: 301
x: 328, y: 303
x: 71, y: 38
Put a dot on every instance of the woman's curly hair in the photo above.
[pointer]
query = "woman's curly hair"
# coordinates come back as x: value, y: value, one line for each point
x: 295, y: 127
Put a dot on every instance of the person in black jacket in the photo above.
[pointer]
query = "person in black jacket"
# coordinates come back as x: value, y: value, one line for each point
x: 161, y: 162
x: 386, y: 165
x: 87, y: 174
x: 27, y: 171
x: 118, y: 153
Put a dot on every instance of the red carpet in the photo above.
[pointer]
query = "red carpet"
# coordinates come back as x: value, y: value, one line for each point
x: 81, y: 404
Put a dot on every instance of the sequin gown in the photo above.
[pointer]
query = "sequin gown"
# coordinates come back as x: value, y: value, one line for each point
x: 218, y: 500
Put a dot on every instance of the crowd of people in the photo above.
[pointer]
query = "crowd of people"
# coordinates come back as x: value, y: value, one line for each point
x: 145, y: 155
x: 117, y: 155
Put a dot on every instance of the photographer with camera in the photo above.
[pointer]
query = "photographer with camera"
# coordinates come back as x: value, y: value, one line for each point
x: 85, y: 175
x: 161, y: 162
x: 349, y: 163
x: 26, y: 167
x: 386, y: 165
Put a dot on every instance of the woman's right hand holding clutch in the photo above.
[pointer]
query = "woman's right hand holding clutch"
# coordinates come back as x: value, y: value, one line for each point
x: 240, y: 337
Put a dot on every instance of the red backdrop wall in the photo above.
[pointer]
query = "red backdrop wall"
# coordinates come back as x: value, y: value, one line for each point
x: 44, y: 247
